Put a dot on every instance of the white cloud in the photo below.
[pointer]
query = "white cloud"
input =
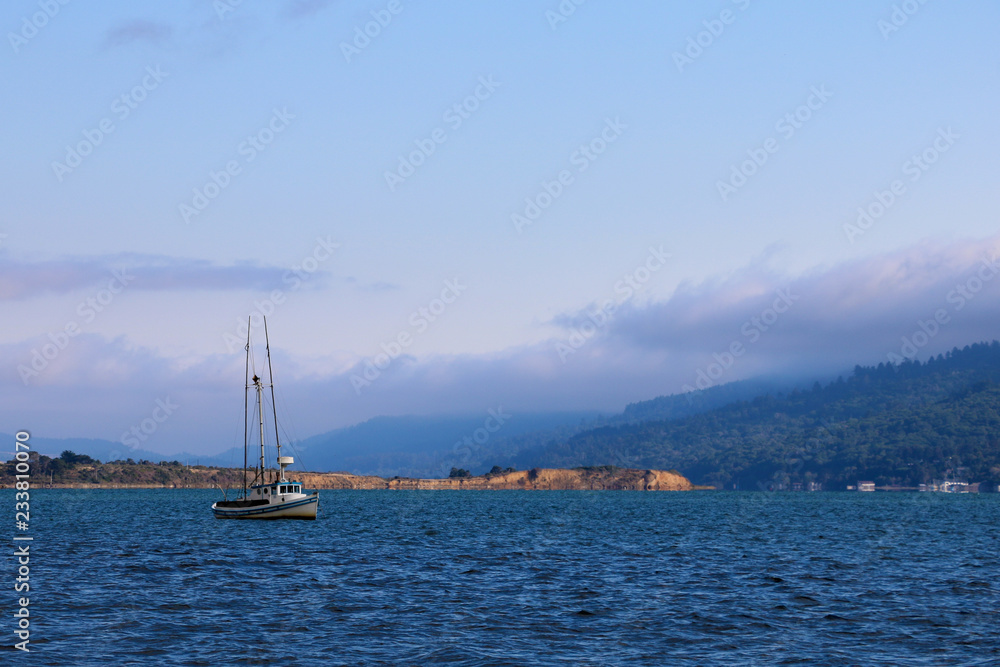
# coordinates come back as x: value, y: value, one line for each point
x: 25, y: 279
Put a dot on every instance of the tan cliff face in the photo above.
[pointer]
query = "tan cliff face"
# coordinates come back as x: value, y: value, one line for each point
x: 537, y: 479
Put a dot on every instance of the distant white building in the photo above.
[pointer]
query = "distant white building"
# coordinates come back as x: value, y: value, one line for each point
x: 866, y: 486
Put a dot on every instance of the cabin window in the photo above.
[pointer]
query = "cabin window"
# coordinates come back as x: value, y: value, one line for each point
x: 284, y: 489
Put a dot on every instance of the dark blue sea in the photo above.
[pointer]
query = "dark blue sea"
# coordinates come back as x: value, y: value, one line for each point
x: 515, y: 578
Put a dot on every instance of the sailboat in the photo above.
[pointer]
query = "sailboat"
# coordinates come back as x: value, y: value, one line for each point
x: 277, y: 498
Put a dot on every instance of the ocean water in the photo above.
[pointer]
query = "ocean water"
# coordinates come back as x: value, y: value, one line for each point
x: 515, y: 578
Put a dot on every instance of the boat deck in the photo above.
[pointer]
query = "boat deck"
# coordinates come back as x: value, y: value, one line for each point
x: 241, y: 503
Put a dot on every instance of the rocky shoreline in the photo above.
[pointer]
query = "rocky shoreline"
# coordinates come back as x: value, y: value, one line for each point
x: 536, y: 479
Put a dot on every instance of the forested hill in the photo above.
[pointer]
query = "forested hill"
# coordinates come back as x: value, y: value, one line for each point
x: 892, y: 424
x: 677, y: 406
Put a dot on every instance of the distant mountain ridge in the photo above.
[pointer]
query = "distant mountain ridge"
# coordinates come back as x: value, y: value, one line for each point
x: 427, y: 445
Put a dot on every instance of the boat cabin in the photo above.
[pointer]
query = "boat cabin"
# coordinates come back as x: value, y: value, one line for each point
x: 276, y: 489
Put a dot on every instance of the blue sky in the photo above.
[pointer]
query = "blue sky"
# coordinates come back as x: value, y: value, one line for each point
x: 579, y: 308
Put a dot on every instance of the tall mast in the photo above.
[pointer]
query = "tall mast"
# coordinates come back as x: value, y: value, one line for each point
x: 270, y: 376
x: 246, y: 408
x: 260, y: 412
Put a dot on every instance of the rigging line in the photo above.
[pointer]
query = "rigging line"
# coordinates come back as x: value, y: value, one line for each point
x: 233, y: 451
x: 286, y: 424
x: 298, y: 455
x: 253, y: 480
x: 246, y: 391
x: 227, y: 458
x: 259, y: 471
x: 259, y: 404
x: 267, y: 439
x: 289, y: 432
x: 270, y: 377
x: 290, y: 437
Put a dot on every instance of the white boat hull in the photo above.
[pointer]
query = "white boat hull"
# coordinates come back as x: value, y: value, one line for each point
x: 298, y: 508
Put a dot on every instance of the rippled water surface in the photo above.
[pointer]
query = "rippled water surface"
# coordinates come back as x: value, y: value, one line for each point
x: 515, y: 578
